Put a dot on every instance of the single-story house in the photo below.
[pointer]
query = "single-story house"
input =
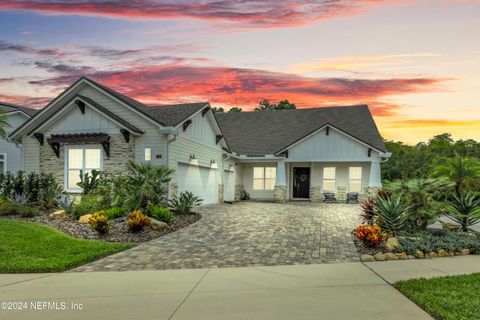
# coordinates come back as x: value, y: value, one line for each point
x: 11, y: 153
x: 272, y: 155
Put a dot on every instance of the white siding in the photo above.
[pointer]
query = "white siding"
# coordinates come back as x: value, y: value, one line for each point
x: 247, y: 177
x: 13, y: 151
x: 74, y: 121
x: 201, y: 130
x: 333, y: 147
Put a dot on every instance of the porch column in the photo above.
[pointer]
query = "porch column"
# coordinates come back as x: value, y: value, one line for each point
x: 280, y: 191
x: 375, y: 181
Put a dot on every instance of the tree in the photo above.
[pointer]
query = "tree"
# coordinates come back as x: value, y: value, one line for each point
x: 464, y: 172
x: 264, y: 104
x: 235, y: 109
x: 3, y: 125
x: 215, y: 109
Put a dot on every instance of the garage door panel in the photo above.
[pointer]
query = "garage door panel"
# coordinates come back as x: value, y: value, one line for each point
x: 200, y: 181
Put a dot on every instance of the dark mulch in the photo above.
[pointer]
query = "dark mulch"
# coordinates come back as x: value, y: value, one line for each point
x: 118, y: 230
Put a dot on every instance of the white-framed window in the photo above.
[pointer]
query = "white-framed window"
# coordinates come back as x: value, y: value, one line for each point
x: 329, y: 179
x: 355, y: 179
x: 3, y: 162
x: 147, y: 154
x: 264, y: 178
x: 81, y: 158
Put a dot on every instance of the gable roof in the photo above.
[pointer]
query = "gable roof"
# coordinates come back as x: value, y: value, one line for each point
x: 269, y: 132
x: 174, y: 114
x: 9, y: 107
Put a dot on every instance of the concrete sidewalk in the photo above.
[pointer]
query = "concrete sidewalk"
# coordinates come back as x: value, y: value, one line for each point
x: 327, y: 291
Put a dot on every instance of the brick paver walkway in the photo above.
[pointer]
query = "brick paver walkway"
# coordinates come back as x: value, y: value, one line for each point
x: 247, y: 234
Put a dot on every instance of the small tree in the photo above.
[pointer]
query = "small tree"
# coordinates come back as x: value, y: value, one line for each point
x: 235, y: 109
x: 264, y: 104
x: 219, y: 109
x: 464, y: 172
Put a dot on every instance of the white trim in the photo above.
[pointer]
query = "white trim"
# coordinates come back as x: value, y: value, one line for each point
x: 65, y: 162
x: 4, y: 160
x: 17, y: 111
x: 332, y: 127
x: 196, y: 164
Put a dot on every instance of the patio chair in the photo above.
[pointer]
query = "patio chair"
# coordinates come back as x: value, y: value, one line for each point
x: 329, y: 197
x: 352, y: 197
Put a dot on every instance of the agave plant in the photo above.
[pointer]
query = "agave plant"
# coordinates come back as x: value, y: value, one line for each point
x: 464, y: 209
x: 184, y: 203
x: 392, y: 213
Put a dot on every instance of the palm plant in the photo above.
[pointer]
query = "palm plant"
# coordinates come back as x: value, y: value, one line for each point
x: 184, y: 203
x: 3, y: 124
x: 392, y: 213
x: 464, y: 172
x: 464, y: 209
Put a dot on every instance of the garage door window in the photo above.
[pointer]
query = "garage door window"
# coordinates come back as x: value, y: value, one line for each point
x: 329, y: 183
x: 264, y: 178
x: 3, y: 162
x: 84, y: 159
x: 355, y: 179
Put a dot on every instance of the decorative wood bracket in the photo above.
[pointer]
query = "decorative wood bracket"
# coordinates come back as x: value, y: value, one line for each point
x: 106, y: 147
x: 126, y: 135
x: 39, y: 137
x: 369, y: 152
x: 56, y: 148
x: 218, y: 138
x: 186, y: 124
x: 204, y: 111
x: 81, y: 106
x: 327, y: 130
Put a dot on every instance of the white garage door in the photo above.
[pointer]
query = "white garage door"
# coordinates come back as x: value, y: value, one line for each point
x: 200, y: 181
x: 229, y: 185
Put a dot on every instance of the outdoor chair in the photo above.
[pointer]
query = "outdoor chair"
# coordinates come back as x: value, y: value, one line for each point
x: 329, y: 197
x: 352, y: 197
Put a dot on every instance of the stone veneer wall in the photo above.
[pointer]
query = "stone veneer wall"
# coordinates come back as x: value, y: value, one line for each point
x: 280, y: 193
x: 316, y: 194
x: 120, y: 153
x: 173, y: 189
x: 341, y: 193
x: 220, y: 193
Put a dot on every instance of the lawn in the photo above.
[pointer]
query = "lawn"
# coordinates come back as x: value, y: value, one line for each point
x: 31, y: 247
x: 446, y: 298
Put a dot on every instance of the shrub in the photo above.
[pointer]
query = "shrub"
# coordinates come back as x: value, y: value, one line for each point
x: 7, y: 208
x: 136, y: 221
x: 87, y: 204
x: 392, y: 213
x: 464, y: 209
x: 49, y: 191
x: 89, y: 181
x: 370, y: 236
x: 368, y: 212
x: 99, y: 222
x: 66, y: 203
x: 27, y: 211
x: 185, y: 202
x: 160, y: 213
x: 114, y: 213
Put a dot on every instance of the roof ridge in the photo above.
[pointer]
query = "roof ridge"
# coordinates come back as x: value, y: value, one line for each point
x: 300, y: 109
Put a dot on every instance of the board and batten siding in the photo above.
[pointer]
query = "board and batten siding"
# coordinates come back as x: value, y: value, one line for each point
x: 151, y: 136
x: 30, y: 154
x: 335, y: 146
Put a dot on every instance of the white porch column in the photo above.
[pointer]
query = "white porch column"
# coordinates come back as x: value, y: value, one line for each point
x: 280, y: 191
x: 375, y: 175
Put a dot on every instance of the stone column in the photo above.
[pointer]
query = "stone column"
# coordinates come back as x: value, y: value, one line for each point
x: 280, y: 191
x: 220, y: 193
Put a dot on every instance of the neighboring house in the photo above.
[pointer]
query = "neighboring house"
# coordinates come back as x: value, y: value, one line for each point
x: 11, y: 153
x: 273, y: 155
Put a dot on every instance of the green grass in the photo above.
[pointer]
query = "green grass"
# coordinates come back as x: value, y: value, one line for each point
x: 446, y: 298
x: 31, y: 247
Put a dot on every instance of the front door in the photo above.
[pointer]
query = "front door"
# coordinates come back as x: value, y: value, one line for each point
x: 301, y: 183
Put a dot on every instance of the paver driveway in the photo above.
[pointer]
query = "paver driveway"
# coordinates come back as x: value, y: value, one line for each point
x: 248, y: 234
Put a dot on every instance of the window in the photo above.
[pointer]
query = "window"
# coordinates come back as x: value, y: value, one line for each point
x: 329, y: 183
x: 355, y: 179
x: 264, y: 178
x: 3, y: 162
x: 81, y: 159
x: 147, y: 156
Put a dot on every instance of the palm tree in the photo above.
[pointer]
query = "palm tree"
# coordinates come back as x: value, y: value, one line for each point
x: 3, y: 125
x: 464, y: 172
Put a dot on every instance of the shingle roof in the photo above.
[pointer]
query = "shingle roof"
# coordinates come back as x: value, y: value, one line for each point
x: 8, y: 107
x: 268, y: 132
x: 174, y: 114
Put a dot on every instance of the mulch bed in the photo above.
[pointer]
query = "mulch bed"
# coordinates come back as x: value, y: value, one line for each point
x: 118, y: 230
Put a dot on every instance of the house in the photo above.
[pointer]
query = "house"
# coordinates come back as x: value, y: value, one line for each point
x: 11, y: 153
x: 272, y: 155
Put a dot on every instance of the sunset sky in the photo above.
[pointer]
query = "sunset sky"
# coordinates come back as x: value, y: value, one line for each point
x: 416, y: 63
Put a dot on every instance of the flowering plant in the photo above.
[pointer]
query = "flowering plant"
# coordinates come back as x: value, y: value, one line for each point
x: 371, y: 236
x: 137, y: 220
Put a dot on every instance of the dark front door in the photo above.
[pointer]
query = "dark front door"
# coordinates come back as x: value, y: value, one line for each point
x: 301, y: 183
